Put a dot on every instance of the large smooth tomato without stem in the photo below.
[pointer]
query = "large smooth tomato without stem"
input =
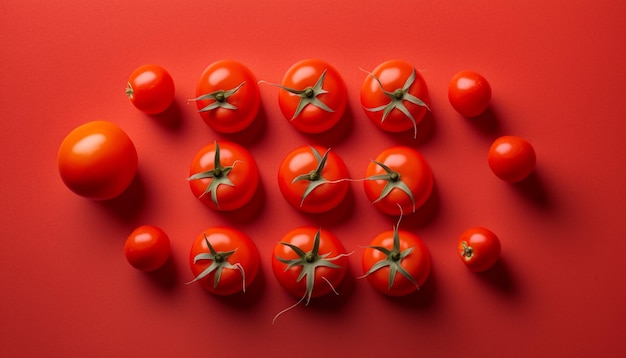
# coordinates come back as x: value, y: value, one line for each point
x: 397, y: 262
x: 398, y: 180
x: 97, y: 160
x: 309, y: 262
x: 150, y: 89
x: 313, y: 96
x: 479, y: 248
x: 147, y: 248
x: 224, y: 261
x: 511, y: 158
x: 228, y: 96
x: 224, y: 176
x: 395, y: 97
x: 313, y: 179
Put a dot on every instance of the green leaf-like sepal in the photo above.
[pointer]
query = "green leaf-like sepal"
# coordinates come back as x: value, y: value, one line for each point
x: 315, y: 177
x: 394, y: 181
x: 397, y: 99
x: 218, y: 264
x: 220, y: 98
x: 218, y: 176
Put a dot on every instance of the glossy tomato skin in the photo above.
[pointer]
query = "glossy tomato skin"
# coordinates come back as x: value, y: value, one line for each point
x: 150, y: 89
x: 393, y: 75
x: 479, y: 248
x: 244, y: 176
x: 511, y: 158
x: 469, y: 93
x: 417, y: 263
x: 97, y: 160
x: 147, y: 248
x: 226, y: 75
x: 313, y: 119
x: 225, y: 239
x: 413, y: 170
x: 303, y: 237
x: 323, y: 198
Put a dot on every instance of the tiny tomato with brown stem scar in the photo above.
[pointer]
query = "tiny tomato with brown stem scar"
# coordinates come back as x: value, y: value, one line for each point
x: 479, y: 248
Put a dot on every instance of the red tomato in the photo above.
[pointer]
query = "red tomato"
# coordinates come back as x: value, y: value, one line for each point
x: 224, y: 261
x: 469, y: 93
x: 303, y: 265
x: 396, y: 263
x: 398, y: 181
x: 150, y: 88
x: 147, y: 248
x: 97, y: 160
x: 224, y: 176
x: 395, y: 96
x: 308, y: 177
x: 511, y: 158
x: 228, y: 96
x: 313, y: 96
x: 479, y: 248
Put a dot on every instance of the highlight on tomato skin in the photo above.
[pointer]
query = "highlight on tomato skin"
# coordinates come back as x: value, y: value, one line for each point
x: 97, y: 160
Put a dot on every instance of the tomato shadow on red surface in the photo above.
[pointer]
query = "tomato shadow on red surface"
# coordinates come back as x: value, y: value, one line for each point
x: 500, y: 278
x: 242, y: 301
x: 421, y: 299
x: 253, y: 133
x: 250, y: 211
x: 335, y: 216
x: 171, y: 118
x: 333, y: 303
x: 166, y: 277
x: 127, y: 206
x: 534, y: 190
x: 336, y: 134
x: 487, y: 123
x: 422, y: 216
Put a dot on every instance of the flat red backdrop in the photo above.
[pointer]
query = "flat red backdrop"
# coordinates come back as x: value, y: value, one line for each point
x: 557, y: 73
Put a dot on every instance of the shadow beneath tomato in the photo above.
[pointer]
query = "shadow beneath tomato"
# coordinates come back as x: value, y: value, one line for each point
x: 425, y: 131
x: 250, y: 211
x: 423, y: 215
x: 487, y: 123
x: 336, y: 134
x: 243, y: 301
x: 421, y: 299
x: 171, y: 118
x: 335, y: 216
x: 253, y: 133
x: 331, y: 303
x: 166, y: 277
x: 127, y: 206
x: 534, y: 190
x: 500, y: 278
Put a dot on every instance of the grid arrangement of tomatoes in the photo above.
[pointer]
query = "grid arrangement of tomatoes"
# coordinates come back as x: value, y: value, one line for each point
x: 98, y: 161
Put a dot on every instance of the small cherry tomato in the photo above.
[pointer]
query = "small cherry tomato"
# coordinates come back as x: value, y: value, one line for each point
x: 228, y: 96
x: 469, y: 93
x: 398, y: 181
x: 395, y: 97
x: 478, y: 248
x: 147, y: 248
x: 150, y: 89
x: 396, y: 263
x: 313, y: 96
x: 310, y: 179
x: 97, y: 160
x: 224, y: 261
x: 224, y: 176
x: 511, y: 158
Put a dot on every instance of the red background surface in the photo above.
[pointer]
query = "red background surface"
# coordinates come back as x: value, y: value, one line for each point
x: 557, y: 73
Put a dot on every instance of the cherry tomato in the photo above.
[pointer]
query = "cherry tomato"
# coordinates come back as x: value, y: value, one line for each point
x: 313, y: 96
x: 396, y: 263
x: 97, y: 160
x: 469, y: 93
x: 395, y: 97
x: 150, y: 89
x: 479, y: 248
x: 224, y: 261
x: 147, y: 248
x: 224, y: 176
x: 398, y: 181
x: 309, y: 262
x: 310, y: 179
x: 511, y: 158
x: 228, y: 96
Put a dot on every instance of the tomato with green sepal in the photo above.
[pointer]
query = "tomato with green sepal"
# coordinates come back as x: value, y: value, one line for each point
x: 224, y: 176
x: 397, y: 262
x: 97, y: 160
x: 398, y: 180
x: 313, y: 179
x: 224, y: 261
x: 479, y: 248
x: 313, y: 96
x: 147, y: 248
x: 511, y: 158
x: 395, y: 97
x: 309, y: 262
x: 150, y: 89
x: 469, y: 93
x: 228, y: 96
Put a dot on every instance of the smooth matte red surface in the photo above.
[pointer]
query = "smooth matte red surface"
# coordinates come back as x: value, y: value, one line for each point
x: 557, y: 74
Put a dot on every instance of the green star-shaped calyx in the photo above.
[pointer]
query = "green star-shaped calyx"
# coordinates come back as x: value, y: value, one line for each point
x: 314, y: 177
x: 394, y: 181
x: 218, y: 264
x: 218, y: 176
x: 219, y: 98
